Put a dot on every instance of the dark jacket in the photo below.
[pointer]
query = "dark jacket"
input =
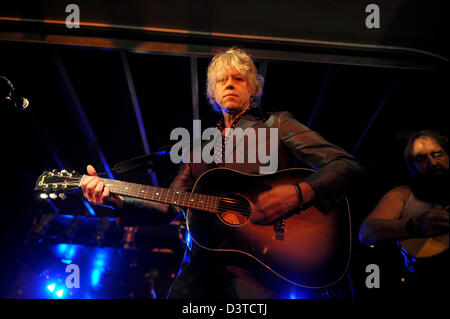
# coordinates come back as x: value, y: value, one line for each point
x: 336, y: 171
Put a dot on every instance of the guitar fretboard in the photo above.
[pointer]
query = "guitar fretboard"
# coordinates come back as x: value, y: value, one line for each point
x: 164, y: 195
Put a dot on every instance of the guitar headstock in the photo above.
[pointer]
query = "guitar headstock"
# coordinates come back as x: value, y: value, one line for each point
x: 55, y: 184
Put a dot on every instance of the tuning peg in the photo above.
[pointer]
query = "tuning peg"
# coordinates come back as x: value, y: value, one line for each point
x: 43, y: 196
x: 62, y: 196
x: 63, y: 173
x: 53, y: 196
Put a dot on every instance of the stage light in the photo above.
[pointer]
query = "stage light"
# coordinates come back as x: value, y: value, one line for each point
x: 54, y: 289
x: 99, y: 260
x: 98, y: 269
x: 89, y: 207
x: 66, y: 251
x: 188, y: 240
x: 298, y: 295
x: 71, y: 252
x: 95, y: 277
x: 153, y: 293
x: 61, y: 248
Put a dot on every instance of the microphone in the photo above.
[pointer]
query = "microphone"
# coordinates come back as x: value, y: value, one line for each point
x: 9, y: 96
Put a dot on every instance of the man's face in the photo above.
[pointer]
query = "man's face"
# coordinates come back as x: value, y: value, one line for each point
x: 232, y: 92
x: 429, y: 157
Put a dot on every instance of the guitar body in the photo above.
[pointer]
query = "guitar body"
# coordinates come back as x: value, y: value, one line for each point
x: 308, y: 248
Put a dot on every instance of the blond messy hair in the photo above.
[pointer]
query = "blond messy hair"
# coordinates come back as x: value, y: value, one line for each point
x: 236, y: 58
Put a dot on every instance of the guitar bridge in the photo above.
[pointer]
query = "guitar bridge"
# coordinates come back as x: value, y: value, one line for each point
x: 279, y: 228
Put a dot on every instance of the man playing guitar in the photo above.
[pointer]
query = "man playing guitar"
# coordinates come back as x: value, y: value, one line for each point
x: 233, y: 85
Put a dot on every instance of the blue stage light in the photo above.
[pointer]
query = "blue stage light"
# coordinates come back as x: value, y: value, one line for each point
x: 95, y: 276
x: 188, y: 240
x: 60, y: 293
x: 61, y: 248
x: 98, y: 266
x: 89, y: 207
x: 51, y: 287
x: 71, y: 252
x: 298, y: 294
x: 66, y: 251
x: 100, y: 257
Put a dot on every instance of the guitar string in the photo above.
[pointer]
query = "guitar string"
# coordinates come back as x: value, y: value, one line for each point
x: 222, y: 202
x: 210, y: 203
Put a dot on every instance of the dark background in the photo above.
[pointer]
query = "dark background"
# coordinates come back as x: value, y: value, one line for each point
x: 367, y: 101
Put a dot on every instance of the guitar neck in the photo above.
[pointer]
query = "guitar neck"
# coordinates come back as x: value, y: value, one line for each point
x: 163, y: 195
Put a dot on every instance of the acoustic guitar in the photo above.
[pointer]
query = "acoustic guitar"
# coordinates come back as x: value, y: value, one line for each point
x: 307, y: 247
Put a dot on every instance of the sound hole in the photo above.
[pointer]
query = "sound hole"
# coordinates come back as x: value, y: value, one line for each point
x: 234, y: 209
